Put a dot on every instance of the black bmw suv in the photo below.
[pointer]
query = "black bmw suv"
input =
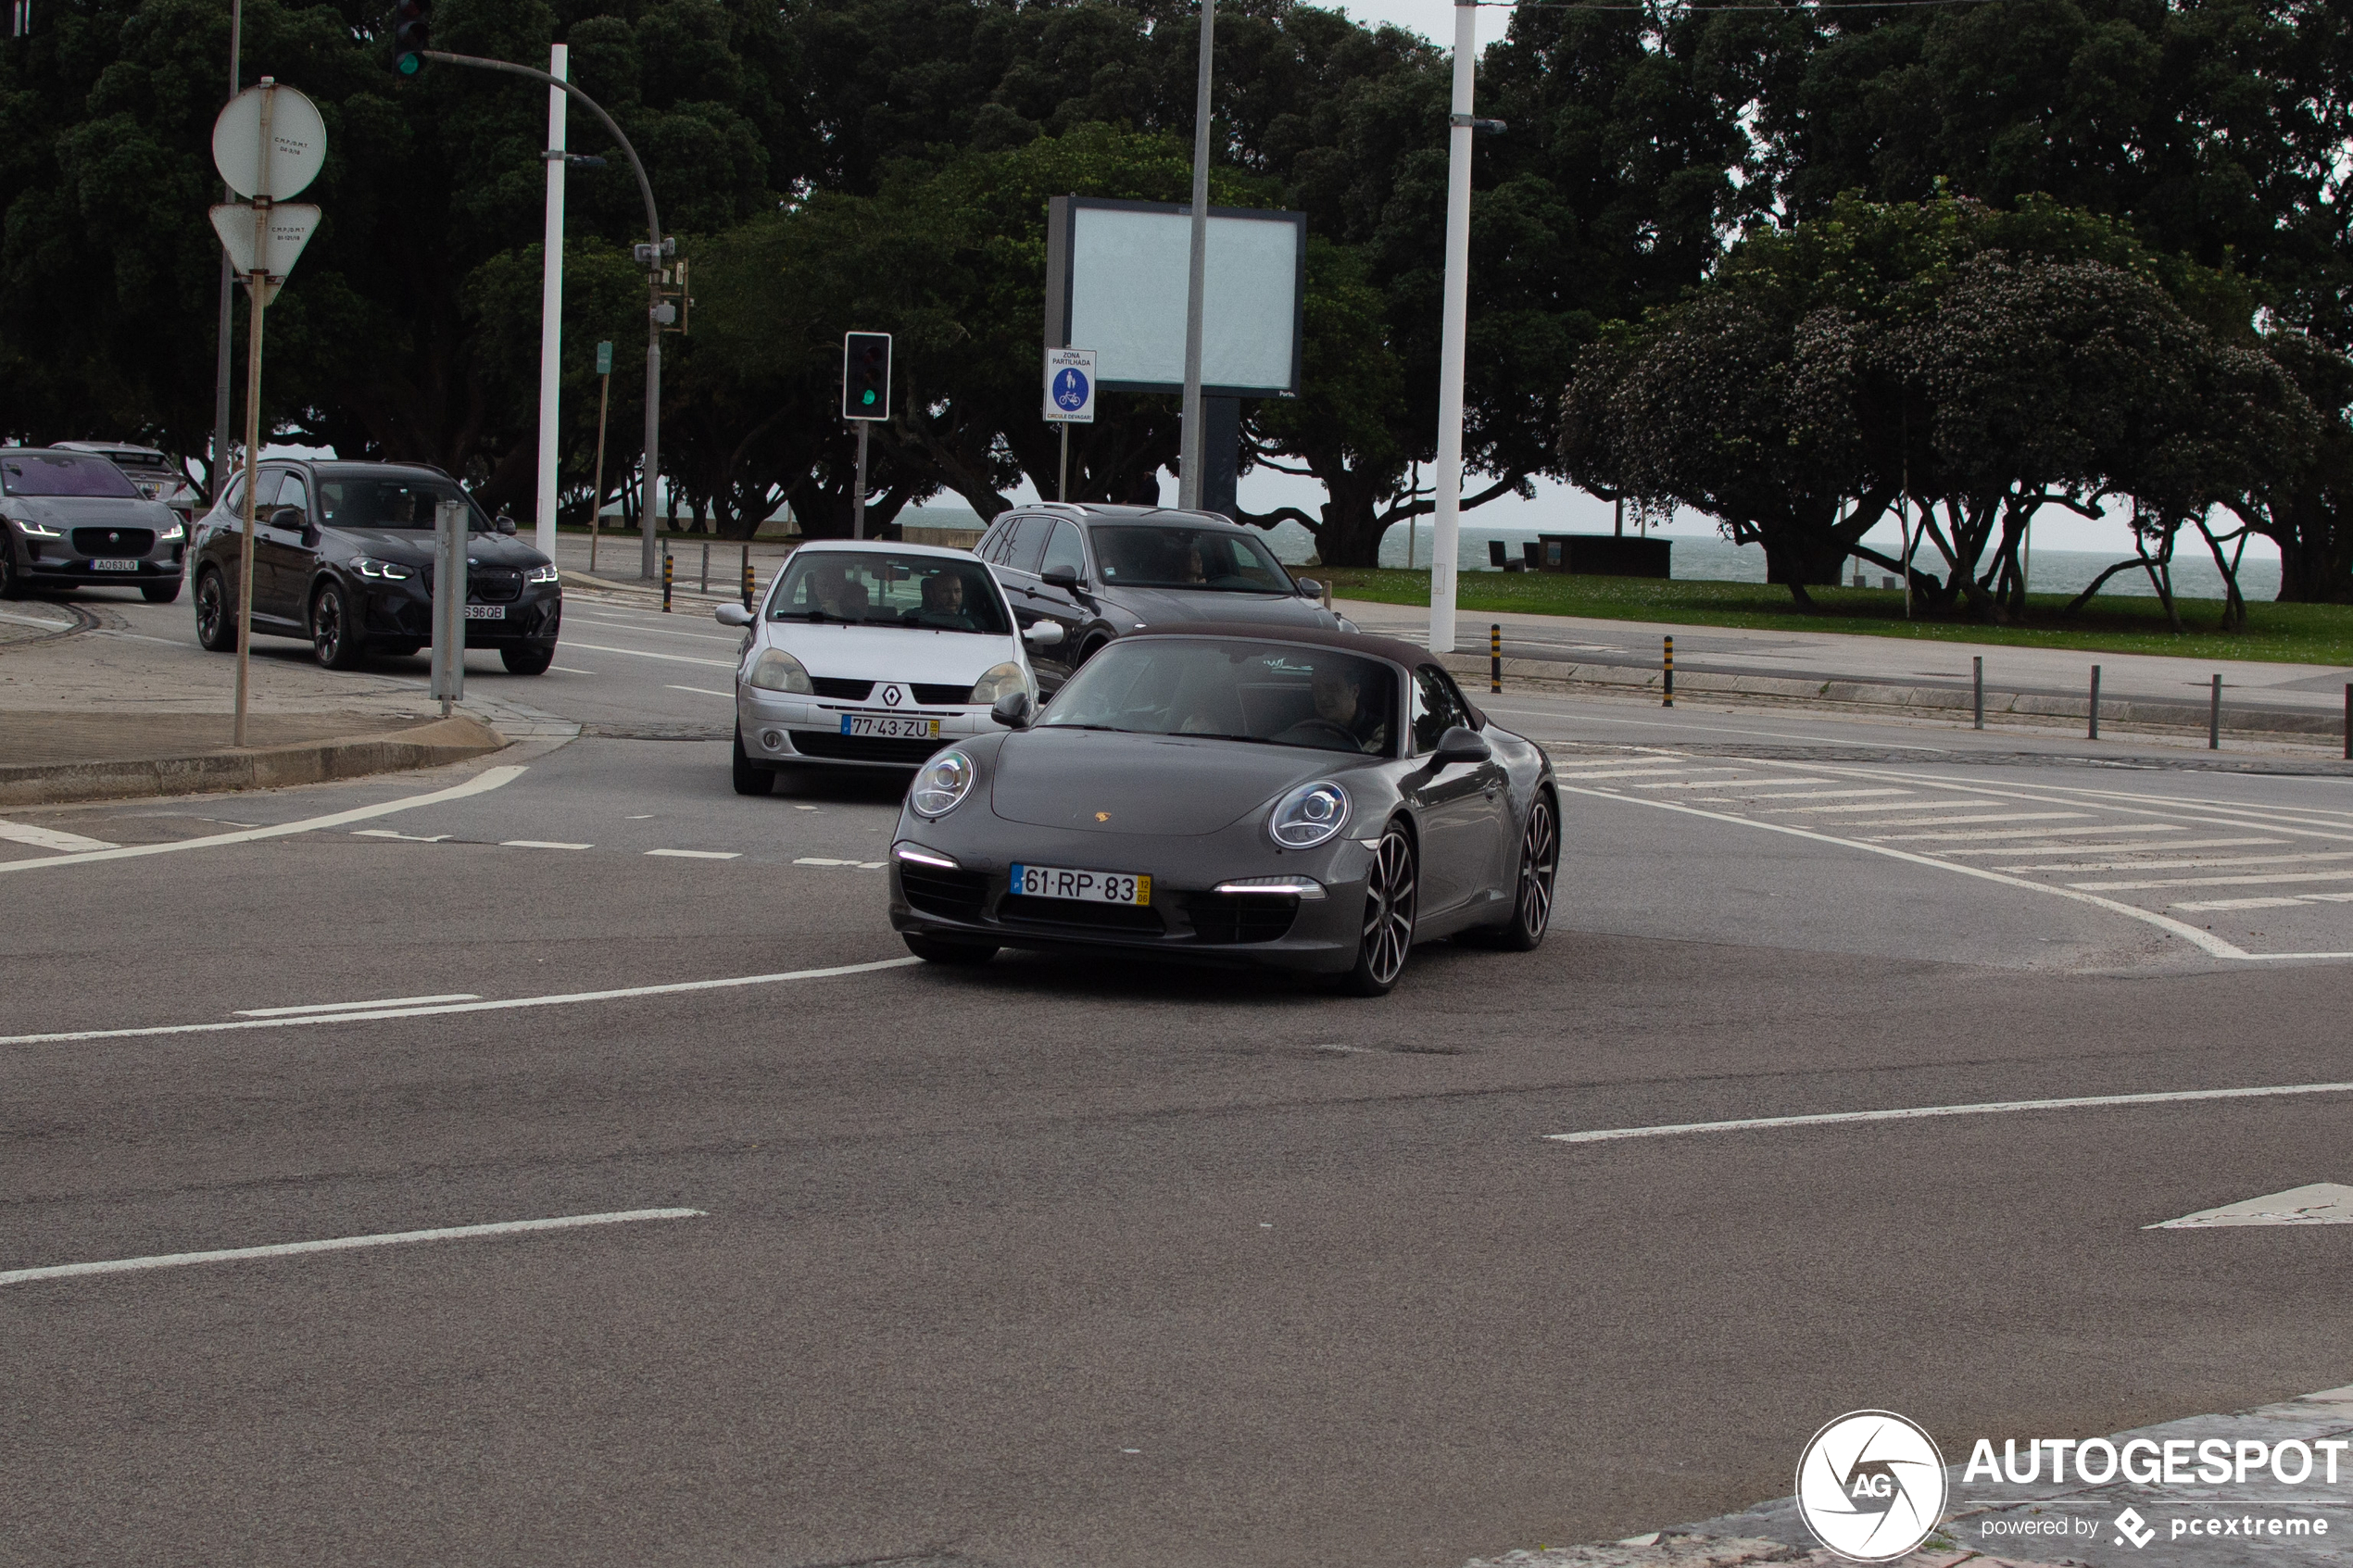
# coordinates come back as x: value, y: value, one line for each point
x: 343, y: 559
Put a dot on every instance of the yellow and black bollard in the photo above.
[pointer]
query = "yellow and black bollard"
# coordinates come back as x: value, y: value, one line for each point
x: 668, y: 571
x: 1495, y: 658
x: 1670, y: 699
x: 746, y: 576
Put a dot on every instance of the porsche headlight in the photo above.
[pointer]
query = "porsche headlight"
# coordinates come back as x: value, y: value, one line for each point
x: 1308, y: 816
x: 998, y: 682
x: 942, y: 784
x: 777, y: 671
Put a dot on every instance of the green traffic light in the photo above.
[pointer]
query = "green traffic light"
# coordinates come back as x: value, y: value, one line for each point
x: 869, y: 396
x: 410, y: 64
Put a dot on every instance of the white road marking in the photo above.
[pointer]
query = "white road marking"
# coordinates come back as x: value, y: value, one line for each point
x: 1705, y: 729
x: 666, y: 658
x: 351, y: 1007
x: 404, y: 837
x: 2321, y: 1203
x: 1925, y: 1112
x: 1689, y: 784
x: 702, y: 691
x: 657, y: 631
x: 341, y: 1244
x: 490, y: 779
x: 2251, y: 880
x: 1818, y: 794
x: 49, y: 838
x: 438, y: 1009
x: 1880, y: 807
x: 1977, y: 817
x: 2193, y: 861
x: 2206, y: 905
x: 1615, y: 772
x: 2146, y: 847
x: 36, y: 621
x: 699, y: 854
x: 569, y: 671
x: 2013, y: 832
x: 540, y: 844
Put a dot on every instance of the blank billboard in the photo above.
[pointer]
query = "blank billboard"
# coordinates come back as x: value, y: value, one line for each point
x: 1116, y: 281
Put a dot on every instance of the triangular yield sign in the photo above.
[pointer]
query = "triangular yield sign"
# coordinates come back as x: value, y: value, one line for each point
x: 2322, y: 1203
x: 291, y: 226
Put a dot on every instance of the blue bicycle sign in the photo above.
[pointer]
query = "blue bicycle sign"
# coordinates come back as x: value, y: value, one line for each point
x: 1070, y: 386
x: 1070, y: 390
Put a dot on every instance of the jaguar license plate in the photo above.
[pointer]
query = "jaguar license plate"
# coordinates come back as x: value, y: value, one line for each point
x: 1087, y: 888
x: 890, y: 726
x: 485, y: 612
x: 114, y: 566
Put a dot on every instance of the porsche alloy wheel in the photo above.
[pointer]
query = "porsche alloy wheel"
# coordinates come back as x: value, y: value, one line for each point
x: 1540, y: 859
x: 1391, y: 887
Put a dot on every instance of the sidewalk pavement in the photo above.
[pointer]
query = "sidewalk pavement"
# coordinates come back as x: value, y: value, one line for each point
x: 1847, y: 668
x: 91, y: 710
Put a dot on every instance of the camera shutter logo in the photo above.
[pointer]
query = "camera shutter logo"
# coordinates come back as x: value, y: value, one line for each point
x: 1872, y: 1485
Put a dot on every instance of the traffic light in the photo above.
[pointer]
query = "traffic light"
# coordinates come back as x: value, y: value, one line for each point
x: 411, y: 36
x: 865, y: 376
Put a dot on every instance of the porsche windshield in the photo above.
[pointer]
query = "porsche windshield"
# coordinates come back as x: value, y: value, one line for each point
x: 60, y: 473
x: 880, y: 588
x: 1170, y: 555
x: 1273, y: 693
x: 349, y: 500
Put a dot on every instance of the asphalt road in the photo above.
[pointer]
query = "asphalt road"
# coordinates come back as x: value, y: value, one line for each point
x: 1070, y: 1263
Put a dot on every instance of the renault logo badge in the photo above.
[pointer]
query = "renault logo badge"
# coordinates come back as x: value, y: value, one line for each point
x: 890, y: 697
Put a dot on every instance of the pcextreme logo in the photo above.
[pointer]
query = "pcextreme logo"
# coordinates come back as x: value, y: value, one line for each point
x: 1870, y: 1486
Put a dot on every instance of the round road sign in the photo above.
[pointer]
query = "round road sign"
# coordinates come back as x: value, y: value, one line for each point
x: 298, y: 143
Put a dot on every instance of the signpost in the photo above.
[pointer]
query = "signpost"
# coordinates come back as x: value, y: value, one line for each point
x: 865, y: 397
x: 1070, y: 399
x: 267, y: 143
x: 449, y: 603
x: 596, y: 491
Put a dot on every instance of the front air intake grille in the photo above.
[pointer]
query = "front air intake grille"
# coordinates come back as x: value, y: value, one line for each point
x: 852, y: 691
x: 114, y: 541
x: 863, y: 748
x: 1072, y: 914
x: 493, y: 585
x: 949, y: 895
x: 1242, y: 917
x: 935, y: 696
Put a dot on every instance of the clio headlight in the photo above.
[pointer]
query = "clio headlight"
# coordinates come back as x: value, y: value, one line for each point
x: 776, y: 671
x: 998, y: 682
x: 1308, y: 816
x: 942, y: 784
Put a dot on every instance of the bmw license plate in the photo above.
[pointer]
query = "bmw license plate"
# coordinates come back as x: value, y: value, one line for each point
x: 485, y: 612
x: 1087, y: 888
x: 114, y: 566
x: 890, y: 726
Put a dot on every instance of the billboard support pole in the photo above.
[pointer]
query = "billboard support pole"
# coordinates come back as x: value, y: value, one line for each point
x: 1061, y: 479
x: 1448, y: 520
x: 1189, y: 462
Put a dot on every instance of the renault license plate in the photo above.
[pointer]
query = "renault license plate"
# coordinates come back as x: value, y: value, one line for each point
x: 114, y: 566
x: 890, y: 726
x: 485, y: 612
x: 1087, y: 888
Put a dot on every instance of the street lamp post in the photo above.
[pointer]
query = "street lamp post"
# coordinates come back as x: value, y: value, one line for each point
x: 650, y: 254
x: 1191, y: 463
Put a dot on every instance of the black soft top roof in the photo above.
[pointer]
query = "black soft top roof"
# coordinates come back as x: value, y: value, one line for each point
x: 1407, y: 654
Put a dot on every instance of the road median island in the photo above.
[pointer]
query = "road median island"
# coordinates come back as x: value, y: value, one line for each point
x: 50, y: 759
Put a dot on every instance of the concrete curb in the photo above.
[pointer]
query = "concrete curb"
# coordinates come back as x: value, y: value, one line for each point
x: 273, y: 767
x: 1941, y: 702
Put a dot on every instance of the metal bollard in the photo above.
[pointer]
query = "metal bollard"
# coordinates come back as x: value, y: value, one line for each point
x: 1495, y: 658
x: 2348, y: 723
x: 668, y: 571
x: 1668, y: 701
x: 2096, y: 702
x: 2214, y: 717
x: 706, y: 566
x: 746, y: 576
x: 1978, y: 666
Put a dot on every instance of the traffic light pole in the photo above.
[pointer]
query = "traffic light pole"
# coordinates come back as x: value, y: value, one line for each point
x: 651, y: 564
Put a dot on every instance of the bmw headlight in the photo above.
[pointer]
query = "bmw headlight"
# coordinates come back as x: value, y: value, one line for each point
x: 1308, y: 816
x: 542, y: 574
x: 942, y: 784
x: 777, y: 671
x: 998, y: 682
x: 368, y: 566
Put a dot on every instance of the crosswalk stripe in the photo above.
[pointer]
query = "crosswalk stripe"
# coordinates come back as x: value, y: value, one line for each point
x: 2196, y: 862
x: 1981, y: 834
x: 1864, y: 808
x: 1956, y: 822
x: 2214, y: 881
x: 2151, y: 847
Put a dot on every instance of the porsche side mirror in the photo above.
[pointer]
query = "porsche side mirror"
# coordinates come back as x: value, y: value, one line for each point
x: 1012, y: 710
x: 731, y: 615
x: 1462, y: 744
x: 1044, y: 633
x: 1063, y: 577
x: 1308, y: 587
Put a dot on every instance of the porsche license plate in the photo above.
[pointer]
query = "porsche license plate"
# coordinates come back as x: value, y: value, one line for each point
x: 1087, y: 888
x: 114, y: 566
x: 485, y: 612
x: 889, y: 726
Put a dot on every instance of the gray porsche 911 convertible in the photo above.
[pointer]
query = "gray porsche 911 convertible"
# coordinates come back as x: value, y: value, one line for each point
x: 1304, y: 799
